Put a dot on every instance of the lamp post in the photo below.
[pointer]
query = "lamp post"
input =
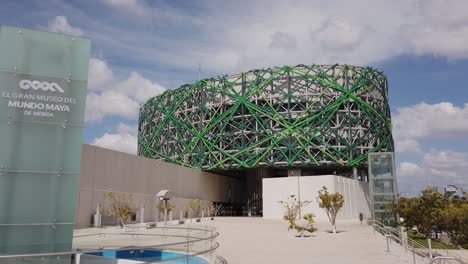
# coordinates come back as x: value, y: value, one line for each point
x: 164, y: 196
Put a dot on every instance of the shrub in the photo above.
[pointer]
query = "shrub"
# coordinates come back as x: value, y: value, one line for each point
x: 292, y: 210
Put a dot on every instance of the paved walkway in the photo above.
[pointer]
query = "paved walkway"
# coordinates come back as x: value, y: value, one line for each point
x: 257, y: 240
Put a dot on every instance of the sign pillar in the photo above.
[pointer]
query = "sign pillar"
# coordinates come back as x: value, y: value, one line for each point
x: 43, y: 81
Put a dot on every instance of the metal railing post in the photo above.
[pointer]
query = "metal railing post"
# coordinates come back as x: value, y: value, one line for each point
x: 388, y: 240
x: 77, y: 258
x: 211, y: 246
x: 388, y: 245
x: 188, y: 243
x: 404, y: 239
x: 414, y: 253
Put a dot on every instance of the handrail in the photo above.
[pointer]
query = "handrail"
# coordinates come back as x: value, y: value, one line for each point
x: 187, y: 256
x: 396, y: 235
x: 220, y: 260
x: 451, y: 253
x: 433, y: 260
x: 399, y: 240
x: 195, y: 239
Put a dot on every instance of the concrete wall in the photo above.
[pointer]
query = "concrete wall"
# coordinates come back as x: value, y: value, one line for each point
x: 356, y: 195
x: 104, y: 170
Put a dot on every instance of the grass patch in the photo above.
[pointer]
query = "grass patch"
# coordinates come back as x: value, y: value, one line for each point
x: 435, y: 243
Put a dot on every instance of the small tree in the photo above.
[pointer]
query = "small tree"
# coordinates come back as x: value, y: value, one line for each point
x: 215, y: 209
x: 121, y: 206
x: 195, y: 208
x: 429, y: 209
x: 332, y: 203
x: 407, y: 208
x: 424, y: 212
x: 292, y: 207
x: 454, y: 221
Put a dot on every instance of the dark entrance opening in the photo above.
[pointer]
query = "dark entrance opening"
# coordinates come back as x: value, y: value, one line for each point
x: 251, y: 191
x: 251, y: 200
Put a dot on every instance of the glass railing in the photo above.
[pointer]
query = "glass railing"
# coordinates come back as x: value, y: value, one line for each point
x: 185, y: 244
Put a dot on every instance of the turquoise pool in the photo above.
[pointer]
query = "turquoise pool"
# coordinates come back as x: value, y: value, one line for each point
x: 149, y: 256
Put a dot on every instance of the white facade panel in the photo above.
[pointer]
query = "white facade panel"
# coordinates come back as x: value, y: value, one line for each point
x: 356, y: 195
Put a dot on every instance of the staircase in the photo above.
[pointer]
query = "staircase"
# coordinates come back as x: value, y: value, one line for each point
x: 420, y: 253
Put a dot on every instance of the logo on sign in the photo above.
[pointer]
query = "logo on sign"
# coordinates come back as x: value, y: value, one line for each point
x: 38, y: 85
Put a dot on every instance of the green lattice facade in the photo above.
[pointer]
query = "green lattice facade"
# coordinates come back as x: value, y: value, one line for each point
x: 301, y: 116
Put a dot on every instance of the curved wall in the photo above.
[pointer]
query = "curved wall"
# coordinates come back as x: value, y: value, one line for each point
x: 301, y: 116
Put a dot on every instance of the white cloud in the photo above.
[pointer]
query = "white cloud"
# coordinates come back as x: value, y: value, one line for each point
x: 244, y: 32
x: 282, y: 40
x: 138, y: 87
x: 409, y: 169
x: 445, y: 30
x: 99, y: 74
x: 247, y: 35
x: 132, y: 6
x: 447, y: 163
x: 428, y: 121
x: 60, y: 25
x: 407, y: 145
x: 436, y: 168
x: 124, y: 139
x: 431, y: 121
x: 110, y: 97
x: 110, y: 103
x: 338, y: 35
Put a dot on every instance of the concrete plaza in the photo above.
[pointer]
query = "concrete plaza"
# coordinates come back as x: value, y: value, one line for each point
x: 257, y: 240
x: 245, y: 240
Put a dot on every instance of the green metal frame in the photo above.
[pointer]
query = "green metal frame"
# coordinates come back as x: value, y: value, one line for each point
x: 301, y: 116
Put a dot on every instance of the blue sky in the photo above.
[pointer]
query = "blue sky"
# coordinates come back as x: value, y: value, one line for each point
x: 140, y: 48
